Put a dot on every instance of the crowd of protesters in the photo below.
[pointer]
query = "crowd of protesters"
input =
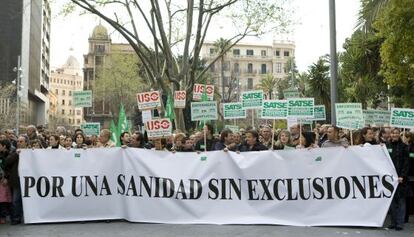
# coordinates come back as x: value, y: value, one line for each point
x: 400, y: 146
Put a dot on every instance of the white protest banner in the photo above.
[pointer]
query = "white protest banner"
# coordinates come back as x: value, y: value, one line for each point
x: 301, y: 108
x: 201, y: 111
x: 233, y: 110
x: 291, y: 93
x: 149, y: 100
x: 159, y: 128
x: 82, y: 98
x: 376, y: 117
x: 349, y: 115
x: 252, y: 99
x: 317, y: 187
x: 198, y: 90
x: 233, y: 128
x: 319, y: 113
x: 179, y: 99
x: 91, y: 128
x: 402, y: 118
x: 274, y: 109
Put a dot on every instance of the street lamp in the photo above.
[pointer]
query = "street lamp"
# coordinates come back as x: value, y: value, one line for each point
x: 19, y: 93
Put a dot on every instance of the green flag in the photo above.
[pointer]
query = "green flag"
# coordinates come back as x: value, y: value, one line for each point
x: 169, y: 109
x: 122, y: 123
x: 114, y: 133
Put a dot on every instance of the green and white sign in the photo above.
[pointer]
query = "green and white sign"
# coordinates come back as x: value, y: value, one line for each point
x: 291, y: 93
x: 82, y: 98
x: 201, y: 111
x: 252, y: 99
x: 301, y: 108
x: 234, y: 110
x: 402, y: 118
x: 319, y: 113
x: 376, y: 117
x: 274, y: 109
x: 349, y: 115
x: 233, y: 128
x: 91, y: 128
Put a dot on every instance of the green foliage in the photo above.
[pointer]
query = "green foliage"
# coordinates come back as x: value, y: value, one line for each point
x: 359, y: 74
x: 268, y: 84
x: 369, y: 12
x: 319, y: 84
x: 119, y: 82
x: 395, y: 25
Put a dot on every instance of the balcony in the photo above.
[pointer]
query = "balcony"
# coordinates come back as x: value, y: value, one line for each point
x: 250, y: 72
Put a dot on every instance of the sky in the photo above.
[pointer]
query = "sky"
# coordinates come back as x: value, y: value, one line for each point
x: 69, y: 34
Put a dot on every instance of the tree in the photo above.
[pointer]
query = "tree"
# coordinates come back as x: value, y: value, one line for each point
x: 268, y: 84
x: 360, y: 66
x: 395, y: 26
x: 319, y: 84
x: 165, y: 19
x: 119, y: 81
x: 220, y: 45
x: 369, y: 12
x: 8, y: 105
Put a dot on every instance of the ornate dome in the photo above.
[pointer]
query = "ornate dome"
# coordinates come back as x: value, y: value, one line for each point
x: 72, y: 63
x: 100, y: 32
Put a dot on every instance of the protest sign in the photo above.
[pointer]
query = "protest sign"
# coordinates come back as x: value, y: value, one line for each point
x: 91, y: 128
x: 158, y: 128
x: 149, y: 100
x: 233, y: 111
x: 402, y: 118
x: 274, y: 109
x: 82, y: 98
x: 291, y: 93
x: 202, y: 111
x: 146, y: 116
x: 266, y: 187
x: 179, y: 99
x: 233, y: 128
x: 376, y: 117
x: 198, y: 90
x: 252, y: 99
x: 301, y: 108
x: 319, y: 113
x: 349, y: 115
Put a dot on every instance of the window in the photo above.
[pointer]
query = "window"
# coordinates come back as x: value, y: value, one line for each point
x: 99, y: 48
x: 70, y: 93
x: 249, y: 52
x: 213, y: 67
x: 286, y: 53
x: 226, y: 66
x: 78, y: 121
x: 212, y: 51
x: 70, y: 102
x: 57, y: 92
x: 278, y: 67
x: 236, y: 52
x: 263, y: 53
x: 277, y: 53
x: 98, y: 60
x: 70, y: 121
x: 263, y: 69
x: 236, y: 67
x: 70, y: 112
x: 78, y: 112
x: 63, y: 92
x: 249, y: 68
x: 63, y: 112
x: 249, y: 83
x: 63, y: 102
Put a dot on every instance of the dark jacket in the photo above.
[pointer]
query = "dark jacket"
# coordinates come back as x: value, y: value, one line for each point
x: 210, y: 145
x: 11, y: 168
x: 219, y: 146
x: 411, y: 159
x: 399, y: 155
x: 256, y: 147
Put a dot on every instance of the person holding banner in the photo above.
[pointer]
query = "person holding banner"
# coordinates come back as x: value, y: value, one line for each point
x: 226, y: 142
x: 79, y: 141
x: 252, y: 142
x: 399, y: 155
x: 410, y: 196
x: 210, y: 141
x: 266, y: 136
x: 284, y: 141
x: 333, y: 139
x: 54, y: 142
x: 368, y: 136
x: 124, y: 138
x: 104, y: 139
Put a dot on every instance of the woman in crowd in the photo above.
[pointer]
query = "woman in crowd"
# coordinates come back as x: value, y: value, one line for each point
x: 284, y: 141
x: 307, y: 140
x: 54, y: 142
x: 188, y: 145
x: 5, y: 194
x: 252, y: 142
x: 179, y: 140
x: 368, y: 136
x: 399, y: 155
x: 68, y: 142
x: 410, y: 194
x: 35, y: 144
x: 79, y: 141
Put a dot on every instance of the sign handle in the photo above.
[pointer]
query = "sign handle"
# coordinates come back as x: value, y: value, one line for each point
x: 273, y: 133
x: 352, y: 139
x: 205, y: 137
x: 300, y: 132
x: 252, y: 118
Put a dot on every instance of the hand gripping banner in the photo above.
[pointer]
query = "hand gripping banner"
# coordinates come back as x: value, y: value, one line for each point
x: 319, y: 187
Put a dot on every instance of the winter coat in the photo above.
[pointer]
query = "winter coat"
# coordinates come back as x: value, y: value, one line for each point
x: 399, y: 155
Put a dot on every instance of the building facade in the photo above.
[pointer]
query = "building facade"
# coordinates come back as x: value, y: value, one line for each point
x: 64, y: 81
x: 25, y: 32
x: 246, y: 64
x: 100, y: 49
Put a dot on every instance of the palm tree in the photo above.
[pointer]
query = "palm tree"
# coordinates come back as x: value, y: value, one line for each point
x: 268, y: 84
x: 370, y: 10
x: 221, y: 45
x: 319, y: 84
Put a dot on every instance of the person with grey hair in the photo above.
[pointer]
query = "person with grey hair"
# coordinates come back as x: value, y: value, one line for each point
x: 61, y: 131
x: 31, y: 133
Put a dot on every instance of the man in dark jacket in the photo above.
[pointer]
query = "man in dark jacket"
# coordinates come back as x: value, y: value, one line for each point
x: 210, y: 141
x: 399, y: 154
x: 252, y: 142
x: 12, y: 163
x: 226, y: 141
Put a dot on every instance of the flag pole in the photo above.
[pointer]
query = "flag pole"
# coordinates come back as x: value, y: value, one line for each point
x: 273, y: 133
x: 300, y: 132
x: 352, y: 139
